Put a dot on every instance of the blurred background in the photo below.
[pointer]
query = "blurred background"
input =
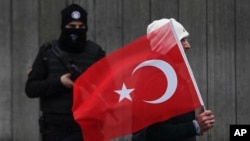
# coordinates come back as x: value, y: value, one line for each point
x: 219, y: 36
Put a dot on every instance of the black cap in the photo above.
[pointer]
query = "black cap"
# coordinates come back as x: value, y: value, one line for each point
x: 71, y: 13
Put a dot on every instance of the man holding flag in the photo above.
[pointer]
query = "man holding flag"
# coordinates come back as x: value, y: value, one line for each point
x: 183, y: 127
x: 143, y: 83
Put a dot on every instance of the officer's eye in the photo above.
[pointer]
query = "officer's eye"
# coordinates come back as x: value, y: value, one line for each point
x: 76, y: 26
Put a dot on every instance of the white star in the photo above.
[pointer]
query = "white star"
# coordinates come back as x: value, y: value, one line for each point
x: 124, y: 93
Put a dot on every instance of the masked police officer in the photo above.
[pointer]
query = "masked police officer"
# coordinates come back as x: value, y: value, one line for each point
x: 56, y: 67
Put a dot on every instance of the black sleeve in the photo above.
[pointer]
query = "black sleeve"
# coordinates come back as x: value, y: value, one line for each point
x: 101, y: 54
x: 167, y: 131
x: 37, y: 84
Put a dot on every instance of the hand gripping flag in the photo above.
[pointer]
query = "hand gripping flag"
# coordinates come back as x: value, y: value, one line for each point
x: 142, y: 83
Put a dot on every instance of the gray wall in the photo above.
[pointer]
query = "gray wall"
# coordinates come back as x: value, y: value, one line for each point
x: 219, y: 56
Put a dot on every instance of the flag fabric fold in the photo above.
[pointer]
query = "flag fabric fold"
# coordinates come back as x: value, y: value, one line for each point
x: 142, y: 83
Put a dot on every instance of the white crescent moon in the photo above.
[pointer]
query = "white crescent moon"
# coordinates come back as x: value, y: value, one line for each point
x: 169, y: 73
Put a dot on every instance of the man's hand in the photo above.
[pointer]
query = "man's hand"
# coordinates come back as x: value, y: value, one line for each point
x: 205, y: 120
x: 66, y: 81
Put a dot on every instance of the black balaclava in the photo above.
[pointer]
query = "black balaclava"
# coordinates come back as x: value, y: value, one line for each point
x: 73, y: 39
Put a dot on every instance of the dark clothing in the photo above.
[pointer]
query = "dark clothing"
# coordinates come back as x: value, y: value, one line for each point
x: 180, y: 128
x: 44, y: 82
x: 62, y: 136
x: 59, y: 127
x: 44, y: 79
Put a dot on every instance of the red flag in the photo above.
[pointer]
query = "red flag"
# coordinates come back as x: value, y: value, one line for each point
x: 145, y: 82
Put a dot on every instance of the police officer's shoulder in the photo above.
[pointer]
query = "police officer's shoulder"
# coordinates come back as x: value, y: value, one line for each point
x: 48, y: 45
x: 92, y: 44
x: 94, y: 49
x: 46, y: 48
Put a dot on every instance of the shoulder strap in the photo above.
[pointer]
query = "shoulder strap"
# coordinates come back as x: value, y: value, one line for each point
x: 66, y: 63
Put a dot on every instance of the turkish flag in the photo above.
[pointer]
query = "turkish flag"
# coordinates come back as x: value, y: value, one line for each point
x: 142, y: 83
